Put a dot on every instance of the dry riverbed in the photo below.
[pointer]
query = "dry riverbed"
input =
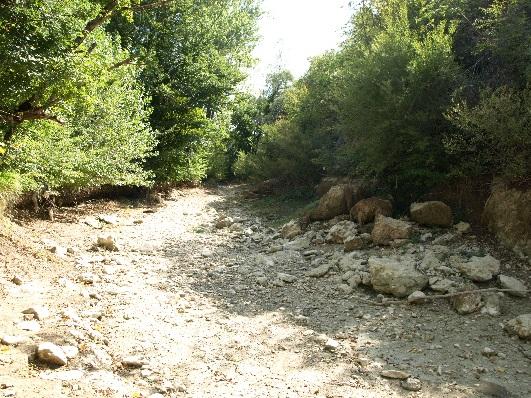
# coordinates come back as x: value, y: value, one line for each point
x: 186, y: 309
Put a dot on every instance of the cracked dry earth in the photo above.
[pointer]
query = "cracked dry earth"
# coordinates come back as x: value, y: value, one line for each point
x: 187, y: 310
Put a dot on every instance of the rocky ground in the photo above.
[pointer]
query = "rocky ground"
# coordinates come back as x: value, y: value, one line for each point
x: 199, y: 297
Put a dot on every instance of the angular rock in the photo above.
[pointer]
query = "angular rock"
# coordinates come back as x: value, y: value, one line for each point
x: 366, y: 210
x: 520, y: 326
x: 432, y: 213
x: 335, y: 202
x: 398, y: 278
x: 388, y: 229
x: 291, y: 230
x: 441, y: 285
x: 286, y: 277
x: 17, y: 280
x: 480, y: 269
x: 133, y: 362
x: 341, y: 231
x: 518, y: 288
x: 51, y: 354
x: 466, y: 303
x: 357, y: 242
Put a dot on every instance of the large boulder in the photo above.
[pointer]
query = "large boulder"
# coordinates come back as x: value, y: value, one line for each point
x: 335, y: 202
x: 507, y: 214
x: 398, y: 278
x: 328, y: 182
x: 341, y: 231
x: 432, y: 213
x: 387, y: 229
x: 480, y: 269
x: 366, y: 210
x: 520, y: 326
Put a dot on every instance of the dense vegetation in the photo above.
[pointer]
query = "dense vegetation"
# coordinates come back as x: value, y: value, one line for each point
x: 120, y: 92
x: 132, y: 92
x: 421, y: 91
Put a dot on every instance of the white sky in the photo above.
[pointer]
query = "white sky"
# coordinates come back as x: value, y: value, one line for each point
x: 292, y: 31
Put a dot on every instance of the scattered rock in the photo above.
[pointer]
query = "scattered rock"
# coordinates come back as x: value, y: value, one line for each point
x: 88, y: 278
x: 463, y: 227
x: 493, y: 389
x: 17, y: 280
x: 319, y: 271
x: 440, y: 285
x: 70, y: 351
x: 39, y: 312
x: 262, y: 280
x: 466, y: 303
x: 488, y: 352
x: 59, y: 251
x: 92, y: 222
x: 107, y: 243
x: 398, y: 278
x: 416, y: 297
x: 411, y: 384
x: 432, y: 213
x: 66, y: 375
x: 520, y: 326
x: 394, y: 374
x: 366, y: 210
x: 331, y: 345
x: 51, y: 354
x: 480, y: 269
x: 205, y: 253
x: 341, y: 231
x: 291, y: 230
x: 110, y: 219
x: 388, y: 229
x: 518, y: 288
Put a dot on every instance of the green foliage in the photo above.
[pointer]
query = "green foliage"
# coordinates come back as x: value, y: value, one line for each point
x: 494, y: 136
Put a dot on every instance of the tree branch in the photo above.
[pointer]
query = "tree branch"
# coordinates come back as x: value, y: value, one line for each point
x: 126, y: 61
x: 444, y: 296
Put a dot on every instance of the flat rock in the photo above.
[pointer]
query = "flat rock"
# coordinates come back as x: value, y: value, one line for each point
x: 133, y: 362
x: 30, y: 326
x: 399, y: 278
x: 518, y: 288
x: 51, y: 354
x: 416, y: 297
x: 394, y: 374
x: 286, y: 277
x: 520, y: 326
x: 319, y: 271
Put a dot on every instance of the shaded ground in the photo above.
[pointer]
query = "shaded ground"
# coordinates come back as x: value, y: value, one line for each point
x: 183, y: 296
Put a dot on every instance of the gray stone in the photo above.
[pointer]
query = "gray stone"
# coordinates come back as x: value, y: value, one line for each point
x: 462, y: 227
x: 518, y: 288
x: 394, y: 374
x: 480, y: 269
x: 467, y: 303
x: 520, y: 326
x: 416, y: 297
x: 411, y: 384
x: 286, y: 277
x: 398, y: 278
x: 319, y: 271
x: 341, y: 231
x: 51, y: 354
x: 291, y: 230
